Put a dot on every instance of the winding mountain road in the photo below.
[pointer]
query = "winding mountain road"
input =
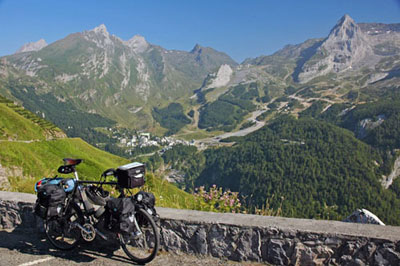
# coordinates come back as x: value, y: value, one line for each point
x: 239, y: 133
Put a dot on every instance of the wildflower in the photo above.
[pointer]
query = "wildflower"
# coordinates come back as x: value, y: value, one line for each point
x: 231, y: 202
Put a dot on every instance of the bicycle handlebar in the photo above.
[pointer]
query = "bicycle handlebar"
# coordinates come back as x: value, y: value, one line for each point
x: 97, y: 182
x: 108, y: 172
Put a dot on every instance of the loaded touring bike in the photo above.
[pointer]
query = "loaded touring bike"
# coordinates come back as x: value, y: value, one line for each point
x: 73, y: 210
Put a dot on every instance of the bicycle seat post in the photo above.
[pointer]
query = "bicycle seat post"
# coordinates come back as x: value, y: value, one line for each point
x: 76, y: 174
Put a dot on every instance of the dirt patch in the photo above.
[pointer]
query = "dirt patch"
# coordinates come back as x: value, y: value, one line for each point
x: 4, y: 184
x: 5, y: 173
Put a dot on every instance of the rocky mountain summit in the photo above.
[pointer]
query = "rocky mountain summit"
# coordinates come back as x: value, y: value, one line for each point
x: 32, y: 46
x: 345, y: 48
x: 350, y: 50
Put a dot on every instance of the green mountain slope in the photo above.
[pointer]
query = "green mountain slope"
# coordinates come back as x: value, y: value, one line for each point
x: 16, y: 123
x: 96, y: 72
x: 32, y: 148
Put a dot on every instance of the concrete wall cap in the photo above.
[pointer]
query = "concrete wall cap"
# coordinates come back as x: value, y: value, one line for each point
x: 18, y: 197
x: 246, y: 220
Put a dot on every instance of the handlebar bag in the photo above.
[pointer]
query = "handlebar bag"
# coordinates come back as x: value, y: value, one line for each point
x: 131, y: 175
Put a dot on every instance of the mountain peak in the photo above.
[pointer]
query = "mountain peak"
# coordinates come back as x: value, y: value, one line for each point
x: 197, y: 48
x: 32, y: 46
x: 345, y: 48
x: 345, y: 19
x: 345, y: 35
x: 138, y: 43
x: 345, y: 28
x: 100, y: 29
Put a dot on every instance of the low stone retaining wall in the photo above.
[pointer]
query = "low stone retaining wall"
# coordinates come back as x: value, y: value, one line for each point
x: 275, y: 240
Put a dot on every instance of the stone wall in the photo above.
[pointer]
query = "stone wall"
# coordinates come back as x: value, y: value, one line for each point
x: 275, y: 240
x: 276, y: 246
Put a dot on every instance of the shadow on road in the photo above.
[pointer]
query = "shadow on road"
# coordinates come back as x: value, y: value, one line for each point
x: 32, y: 242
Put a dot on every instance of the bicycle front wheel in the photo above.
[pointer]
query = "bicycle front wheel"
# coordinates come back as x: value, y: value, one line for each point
x: 141, y: 246
x: 62, y: 231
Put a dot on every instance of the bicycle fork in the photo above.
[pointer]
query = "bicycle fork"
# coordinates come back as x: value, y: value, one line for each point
x: 138, y: 232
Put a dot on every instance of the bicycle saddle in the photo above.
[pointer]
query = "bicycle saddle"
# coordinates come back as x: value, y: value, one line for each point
x: 71, y: 162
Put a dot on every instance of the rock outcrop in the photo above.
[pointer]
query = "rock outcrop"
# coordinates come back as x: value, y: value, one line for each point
x: 363, y: 216
x: 345, y: 48
x: 32, y: 46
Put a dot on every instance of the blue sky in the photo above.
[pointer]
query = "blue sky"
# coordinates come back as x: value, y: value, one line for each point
x: 240, y: 28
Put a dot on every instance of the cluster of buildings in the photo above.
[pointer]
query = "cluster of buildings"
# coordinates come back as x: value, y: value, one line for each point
x: 141, y: 140
x: 144, y: 140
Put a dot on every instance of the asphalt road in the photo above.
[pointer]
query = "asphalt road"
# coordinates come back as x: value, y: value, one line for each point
x: 24, y: 248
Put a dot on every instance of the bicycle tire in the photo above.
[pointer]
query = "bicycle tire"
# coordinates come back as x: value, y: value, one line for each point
x: 59, y: 231
x: 142, y: 248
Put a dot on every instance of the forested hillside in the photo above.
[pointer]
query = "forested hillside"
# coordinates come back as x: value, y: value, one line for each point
x: 313, y: 168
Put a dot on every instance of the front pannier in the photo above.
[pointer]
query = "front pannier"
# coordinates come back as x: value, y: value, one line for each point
x: 147, y: 201
x: 130, y: 175
x: 50, y: 202
x: 121, y: 215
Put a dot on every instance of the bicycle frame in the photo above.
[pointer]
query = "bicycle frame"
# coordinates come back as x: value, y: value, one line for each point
x: 141, y: 244
x: 88, y: 209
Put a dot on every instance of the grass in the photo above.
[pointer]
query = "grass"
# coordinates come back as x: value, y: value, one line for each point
x: 196, y: 135
x: 19, y: 124
x: 168, y: 195
x: 42, y: 158
x: 27, y: 156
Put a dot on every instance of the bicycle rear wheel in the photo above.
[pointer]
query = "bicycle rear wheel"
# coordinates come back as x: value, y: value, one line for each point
x: 62, y: 231
x: 142, y: 247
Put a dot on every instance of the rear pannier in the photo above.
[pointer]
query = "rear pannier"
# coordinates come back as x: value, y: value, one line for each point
x: 50, y: 201
x: 120, y: 215
x: 130, y: 175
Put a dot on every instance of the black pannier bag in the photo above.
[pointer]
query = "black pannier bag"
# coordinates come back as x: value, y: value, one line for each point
x: 40, y: 210
x: 120, y: 215
x: 50, y: 202
x: 130, y: 175
x: 147, y: 201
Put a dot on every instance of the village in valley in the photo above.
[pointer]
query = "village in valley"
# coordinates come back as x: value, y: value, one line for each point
x: 130, y: 141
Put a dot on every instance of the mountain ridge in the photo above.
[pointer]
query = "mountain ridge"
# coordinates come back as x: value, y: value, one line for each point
x: 124, y: 80
x: 96, y: 71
